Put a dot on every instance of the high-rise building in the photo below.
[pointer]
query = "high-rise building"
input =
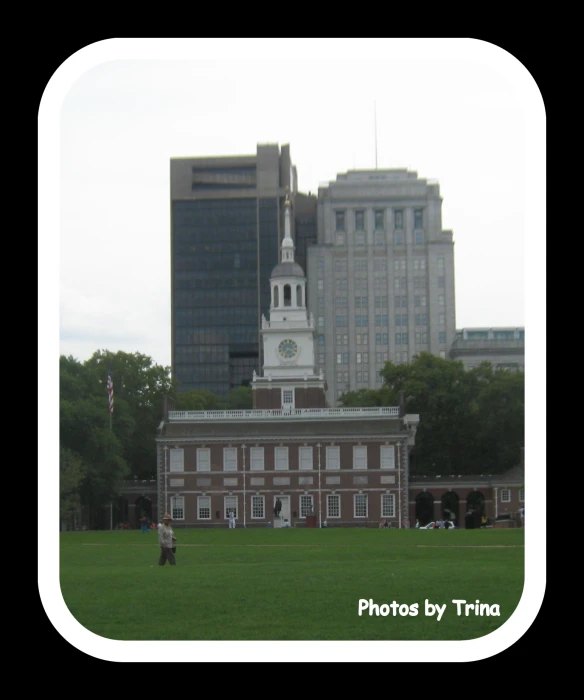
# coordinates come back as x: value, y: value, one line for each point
x: 227, y: 217
x: 504, y: 348
x: 381, y: 277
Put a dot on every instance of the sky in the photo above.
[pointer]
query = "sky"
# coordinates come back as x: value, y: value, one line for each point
x: 463, y: 112
x: 455, y: 111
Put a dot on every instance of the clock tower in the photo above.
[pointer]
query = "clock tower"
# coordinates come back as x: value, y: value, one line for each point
x: 290, y: 380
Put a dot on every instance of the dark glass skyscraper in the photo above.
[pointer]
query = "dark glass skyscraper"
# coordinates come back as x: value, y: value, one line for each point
x: 226, y: 227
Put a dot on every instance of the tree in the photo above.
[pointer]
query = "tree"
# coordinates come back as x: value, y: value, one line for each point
x: 240, y: 398
x: 72, y: 472
x: 198, y: 400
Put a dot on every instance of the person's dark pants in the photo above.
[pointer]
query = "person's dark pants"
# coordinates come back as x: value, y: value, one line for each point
x: 166, y: 555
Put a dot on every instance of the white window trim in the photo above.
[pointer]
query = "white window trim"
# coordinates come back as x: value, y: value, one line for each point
x: 338, y: 497
x: 522, y: 495
x: 176, y: 460
x: 206, y: 499
x: 356, y: 450
x: 302, y: 461
x: 362, y: 495
x: 387, y: 450
x: 291, y: 403
x: 173, y: 504
x: 257, y: 451
x: 305, y: 495
x: 263, y: 500
x: 200, y: 452
x: 391, y: 497
x: 227, y: 509
x: 333, y: 449
x: 508, y: 492
x: 229, y: 451
x: 282, y: 451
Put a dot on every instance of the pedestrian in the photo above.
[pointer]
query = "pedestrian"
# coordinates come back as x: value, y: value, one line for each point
x: 522, y: 516
x: 231, y: 519
x: 166, y: 540
x: 144, y: 524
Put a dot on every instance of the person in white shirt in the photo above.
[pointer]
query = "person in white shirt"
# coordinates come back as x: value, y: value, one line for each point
x: 231, y: 519
x: 166, y: 540
x: 286, y: 523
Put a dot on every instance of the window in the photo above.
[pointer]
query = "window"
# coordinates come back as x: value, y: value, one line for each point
x: 341, y: 285
x: 321, y: 303
x: 401, y: 338
x: 321, y: 321
x: 381, y: 339
x: 440, y: 263
x: 333, y: 506
x: 256, y: 459
x: 380, y: 265
x: 321, y: 358
x: 381, y: 357
x: 178, y: 507
x: 340, y: 238
x: 360, y: 505
x: 363, y: 376
x: 420, y: 300
x: 521, y: 494
x: 320, y: 285
x: 340, y: 220
x: 333, y: 457
x: 360, y: 220
x: 342, y: 376
x: 361, y: 320
x: 306, y: 507
x: 399, y: 238
x: 177, y: 460
x: 442, y: 337
x: 379, y: 238
x: 341, y: 320
x: 321, y: 339
x: 379, y: 219
x: 281, y: 458
x: 320, y: 267
x: 442, y: 318
x: 362, y: 339
x: 421, y: 338
x: 258, y: 507
x: 360, y: 239
x: 203, y: 459
x: 419, y: 264
x: 305, y: 458
x: 360, y: 264
x: 342, y: 339
x: 419, y: 238
x: 399, y: 282
x: 441, y: 300
x: 230, y: 459
x: 419, y: 282
x: 230, y: 505
x: 398, y: 218
x: 418, y: 218
x: 381, y: 302
x: 381, y: 319
x: 387, y: 456
x: 288, y: 397
x: 401, y: 319
x: 341, y: 266
x: 360, y: 285
x: 399, y: 264
x: 401, y: 302
x: 441, y: 284
x: 204, y: 508
x: 361, y: 302
x: 421, y: 319
x: 505, y: 496
x: 360, y: 457
x: 388, y: 505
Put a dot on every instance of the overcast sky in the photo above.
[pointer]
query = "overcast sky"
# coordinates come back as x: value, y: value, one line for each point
x: 457, y: 111
x: 461, y: 111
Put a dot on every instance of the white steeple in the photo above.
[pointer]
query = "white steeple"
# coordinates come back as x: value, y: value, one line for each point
x: 287, y: 243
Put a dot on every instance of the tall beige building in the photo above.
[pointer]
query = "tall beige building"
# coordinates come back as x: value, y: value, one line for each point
x: 381, y: 276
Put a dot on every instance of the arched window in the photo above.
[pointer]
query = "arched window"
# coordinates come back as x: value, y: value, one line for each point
x: 298, y: 295
x: 276, y: 290
x: 287, y: 295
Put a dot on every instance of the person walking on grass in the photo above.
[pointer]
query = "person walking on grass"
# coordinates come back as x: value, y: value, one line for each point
x: 166, y: 540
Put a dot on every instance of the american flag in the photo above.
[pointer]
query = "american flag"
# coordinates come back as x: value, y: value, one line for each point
x: 110, y: 391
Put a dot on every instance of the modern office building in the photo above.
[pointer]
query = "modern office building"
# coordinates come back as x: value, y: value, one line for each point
x: 381, y: 276
x: 504, y: 348
x: 226, y: 228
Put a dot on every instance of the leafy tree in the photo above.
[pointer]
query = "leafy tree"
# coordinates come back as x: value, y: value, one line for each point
x: 198, y: 400
x: 72, y: 472
x: 240, y: 398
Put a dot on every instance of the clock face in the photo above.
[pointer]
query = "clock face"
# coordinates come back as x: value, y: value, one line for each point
x: 288, y: 349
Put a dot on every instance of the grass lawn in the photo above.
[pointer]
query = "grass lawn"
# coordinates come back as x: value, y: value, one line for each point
x: 296, y: 584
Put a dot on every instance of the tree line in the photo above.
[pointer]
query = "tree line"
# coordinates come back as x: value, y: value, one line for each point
x: 471, y: 422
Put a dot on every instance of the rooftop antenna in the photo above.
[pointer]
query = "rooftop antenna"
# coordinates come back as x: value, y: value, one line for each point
x: 375, y: 117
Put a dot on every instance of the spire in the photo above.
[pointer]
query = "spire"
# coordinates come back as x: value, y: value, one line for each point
x: 287, y: 243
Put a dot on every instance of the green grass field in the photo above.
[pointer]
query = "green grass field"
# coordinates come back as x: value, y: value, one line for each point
x: 297, y: 584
